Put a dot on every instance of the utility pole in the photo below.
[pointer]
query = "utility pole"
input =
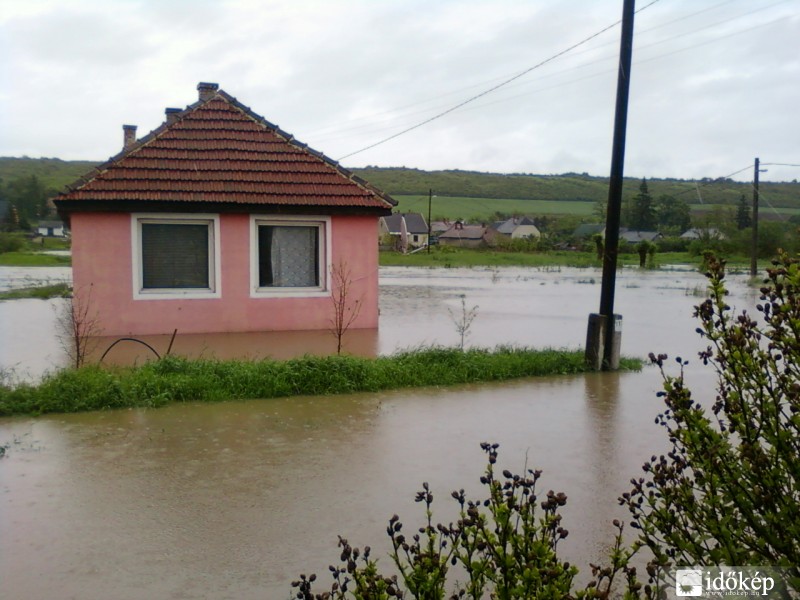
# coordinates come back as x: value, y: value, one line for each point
x: 754, y: 248
x: 605, y: 329
x: 430, y: 198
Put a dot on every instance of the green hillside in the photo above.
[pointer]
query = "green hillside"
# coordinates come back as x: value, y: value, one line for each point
x: 572, y: 187
x: 52, y: 173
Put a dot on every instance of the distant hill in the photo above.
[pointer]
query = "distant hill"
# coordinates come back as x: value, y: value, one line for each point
x: 54, y: 174
x: 568, y: 187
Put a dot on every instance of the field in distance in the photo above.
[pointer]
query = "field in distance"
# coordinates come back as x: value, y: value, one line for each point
x: 475, y: 210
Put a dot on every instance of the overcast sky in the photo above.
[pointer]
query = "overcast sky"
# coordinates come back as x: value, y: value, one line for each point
x: 714, y: 83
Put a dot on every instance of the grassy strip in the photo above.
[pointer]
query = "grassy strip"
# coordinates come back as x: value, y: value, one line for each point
x: 43, y: 292
x: 466, y: 257
x: 450, y: 257
x: 33, y: 259
x: 174, y: 379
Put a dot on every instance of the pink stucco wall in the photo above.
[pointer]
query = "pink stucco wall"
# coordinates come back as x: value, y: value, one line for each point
x: 102, y: 276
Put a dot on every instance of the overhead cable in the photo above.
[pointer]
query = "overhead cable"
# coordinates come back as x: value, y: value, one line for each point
x: 493, y: 88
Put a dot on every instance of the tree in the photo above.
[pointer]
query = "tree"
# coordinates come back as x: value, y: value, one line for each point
x: 78, y: 327
x: 728, y: 492
x: 599, y: 244
x: 29, y: 196
x: 345, y: 308
x: 463, y: 320
x: 772, y: 237
x: 673, y: 213
x: 743, y: 218
x: 641, y: 212
x: 10, y: 220
x: 600, y: 209
x: 646, y: 249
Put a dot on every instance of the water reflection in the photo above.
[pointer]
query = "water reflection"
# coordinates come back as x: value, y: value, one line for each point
x: 529, y: 307
x: 233, y: 500
x: 279, y: 345
x: 12, y: 278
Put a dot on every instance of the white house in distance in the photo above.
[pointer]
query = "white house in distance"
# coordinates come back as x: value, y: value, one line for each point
x: 51, y: 229
x: 518, y: 228
x: 634, y: 237
x: 696, y: 233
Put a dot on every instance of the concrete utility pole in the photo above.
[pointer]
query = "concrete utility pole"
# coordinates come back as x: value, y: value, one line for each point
x: 430, y: 199
x: 604, y: 333
x: 754, y: 247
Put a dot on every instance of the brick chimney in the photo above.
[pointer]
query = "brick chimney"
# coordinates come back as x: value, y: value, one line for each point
x: 129, y: 136
x: 207, y: 90
x: 172, y: 115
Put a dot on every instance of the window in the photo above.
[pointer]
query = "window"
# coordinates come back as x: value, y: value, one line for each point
x: 289, y: 256
x: 175, y: 256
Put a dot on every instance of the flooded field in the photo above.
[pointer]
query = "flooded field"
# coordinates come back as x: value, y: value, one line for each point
x: 234, y: 500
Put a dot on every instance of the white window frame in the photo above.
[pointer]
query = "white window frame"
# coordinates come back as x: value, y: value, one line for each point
x: 214, y: 256
x: 323, y: 223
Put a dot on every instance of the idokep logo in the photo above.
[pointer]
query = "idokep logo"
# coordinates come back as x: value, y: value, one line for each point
x: 689, y: 582
x: 718, y: 582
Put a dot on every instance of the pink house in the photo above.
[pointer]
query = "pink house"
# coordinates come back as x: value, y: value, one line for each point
x: 219, y: 221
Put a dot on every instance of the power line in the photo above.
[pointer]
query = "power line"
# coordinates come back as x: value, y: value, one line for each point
x: 637, y: 62
x: 493, y: 88
x: 336, y: 132
x: 705, y: 183
x: 333, y: 129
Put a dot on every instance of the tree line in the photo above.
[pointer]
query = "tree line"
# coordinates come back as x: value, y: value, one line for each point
x: 24, y: 200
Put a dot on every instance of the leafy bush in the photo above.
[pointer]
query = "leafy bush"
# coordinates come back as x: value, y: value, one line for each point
x: 506, y: 544
x: 11, y: 242
x: 673, y: 244
x: 524, y: 244
x: 728, y: 492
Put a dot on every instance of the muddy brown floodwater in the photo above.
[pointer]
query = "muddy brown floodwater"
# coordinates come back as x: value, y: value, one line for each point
x: 234, y: 500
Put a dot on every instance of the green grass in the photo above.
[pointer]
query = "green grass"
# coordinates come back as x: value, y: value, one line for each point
x: 43, y: 292
x: 49, y: 243
x: 465, y: 257
x: 33, y: 259
x: 173, y: 379
x: 449, y: 257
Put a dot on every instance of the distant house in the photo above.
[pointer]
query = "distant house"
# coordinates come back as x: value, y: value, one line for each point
x: 587, y: 230
x: 634, y: 237
x: 410, y: 225
x: 219, y: 221
x: 517, y: 228
x: 701, y: 233
x: 438, y: 227
x: 464, y: 236
x: 51, y: 229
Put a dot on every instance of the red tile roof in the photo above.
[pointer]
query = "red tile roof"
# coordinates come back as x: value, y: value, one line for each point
x: 219, y: 151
